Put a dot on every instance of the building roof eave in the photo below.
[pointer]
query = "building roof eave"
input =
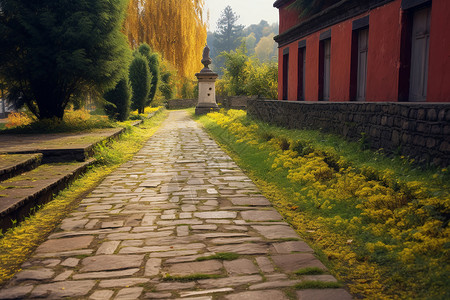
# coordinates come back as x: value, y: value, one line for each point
x: 280, y: 3
x: 330, y: 16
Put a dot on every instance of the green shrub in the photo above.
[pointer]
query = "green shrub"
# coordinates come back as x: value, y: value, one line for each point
x: 119, y: 101
x: 140, y: 79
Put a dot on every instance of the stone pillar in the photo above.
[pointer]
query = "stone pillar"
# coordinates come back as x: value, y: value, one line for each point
x: 206, y: 87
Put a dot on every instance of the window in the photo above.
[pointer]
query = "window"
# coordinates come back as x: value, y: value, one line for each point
x: 285, y: 73
x: 420, y: 44
x: 324, y: 70
x: 415, y: 43
x: 360, y: 47
x: 301, y: 70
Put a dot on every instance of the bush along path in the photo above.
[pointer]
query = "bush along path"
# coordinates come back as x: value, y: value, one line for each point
x: 178, y: 220
x: 380, y: 222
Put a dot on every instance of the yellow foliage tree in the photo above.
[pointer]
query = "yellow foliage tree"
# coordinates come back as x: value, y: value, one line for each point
x: 175, y: 28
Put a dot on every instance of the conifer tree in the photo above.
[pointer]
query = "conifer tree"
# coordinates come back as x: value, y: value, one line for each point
x: 140, y: 79
x: 153, y: 64
x: 52, y: 50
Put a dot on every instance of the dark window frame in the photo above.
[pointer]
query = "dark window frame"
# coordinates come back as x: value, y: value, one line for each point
x: 324, y: 37
x: 357, y: 26
x: 301, y: 70
x: 285, y: 73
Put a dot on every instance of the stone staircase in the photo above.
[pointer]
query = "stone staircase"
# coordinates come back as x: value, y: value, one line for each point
x: 25, y: 183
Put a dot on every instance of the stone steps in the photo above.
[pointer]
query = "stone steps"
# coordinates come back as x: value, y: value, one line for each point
x: 14, y: 164
x: 20, y: 194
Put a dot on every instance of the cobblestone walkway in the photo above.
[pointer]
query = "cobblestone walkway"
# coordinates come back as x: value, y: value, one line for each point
x: 180, y: 198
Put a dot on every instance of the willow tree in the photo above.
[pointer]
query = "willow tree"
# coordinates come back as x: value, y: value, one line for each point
x: 175, y: 28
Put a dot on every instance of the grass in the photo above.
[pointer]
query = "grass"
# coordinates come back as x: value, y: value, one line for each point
x: 18, y: 243
x: 2, y: 126
x: 378, y: 257
x: 192, y: 277
x: 312, y: 284
x: 219, y: 256
x: 309, y: 271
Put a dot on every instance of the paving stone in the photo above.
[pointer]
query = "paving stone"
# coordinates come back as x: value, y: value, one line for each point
x: 174, y: 286
x: 129, y: 293
x: 324, y: 294
x: 204, y: 227
x: 171, y: 247
x: 182, y: 230
x: 66, y: 253
x: 51, y: 262
x: 65, y: 244
x: 265, y: 264
x: 236, y: 228
x: 240, y: 267
x: 216, y: 215
x: 293, y: 262
x: 252, y: 295
x: 276, y: 231
x: 110, y: 262
x: 18, y: 292
x: 292, y: 246
x: 113, y: 224
x: 152, y: 267
x: 108, y: 247
x: 157, y: 295
x: 63, y: 276
x: 71, y: 224
x: 137, y: 236
x: 63, y: 289
x: 248, y: 249
x: 261, y: 215
x: 276, y: 277
x: 173, y: 253
x: 205, y: 292
x: 250, y: 201
x: 274, y: 284
x: 229, y: 281
x: 70, y: 262
x: 202, y: 267
x: 38, y: 274
x: 225, y: 241
x: 110, y: 274
x: 124, y: 282
x: 102, y: 295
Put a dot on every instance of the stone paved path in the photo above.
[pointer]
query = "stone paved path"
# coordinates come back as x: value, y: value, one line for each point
x: 180, y: 198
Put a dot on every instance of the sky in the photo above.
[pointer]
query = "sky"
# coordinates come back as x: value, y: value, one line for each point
x: 250, y: 11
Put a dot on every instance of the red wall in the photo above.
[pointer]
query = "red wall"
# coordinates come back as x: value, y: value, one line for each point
x: 341, y: 50
x: 439, y: 63
x: 383, y: 58
x: 288, y: 17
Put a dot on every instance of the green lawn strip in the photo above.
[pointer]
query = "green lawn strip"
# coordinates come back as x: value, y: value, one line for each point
x: 312, y: 284
x: 392, y: 274
x: 310, y: 271
x: 18, y: 243
x: 219, y: 256
x: 192, y: 277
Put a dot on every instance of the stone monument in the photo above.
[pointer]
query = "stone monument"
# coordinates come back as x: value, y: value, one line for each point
x: 206, y: 86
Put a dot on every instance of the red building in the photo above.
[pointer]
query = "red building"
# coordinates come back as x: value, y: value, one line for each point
x: 371, y: 50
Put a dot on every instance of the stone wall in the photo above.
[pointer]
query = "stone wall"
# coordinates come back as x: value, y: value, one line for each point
x: 418, y: 130
x: 181, y: 103
x: 235, y: 102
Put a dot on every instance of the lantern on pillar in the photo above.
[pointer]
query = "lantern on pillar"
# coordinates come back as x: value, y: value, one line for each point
x: 206, y: 86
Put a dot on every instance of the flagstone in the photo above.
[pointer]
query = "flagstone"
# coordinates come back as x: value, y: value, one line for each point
x: 63, y: 289
x: 124, y: 282
x: 229, y: 281
x: 203, y: 267
x: 293, y: 262
x: 66, y: 244
x: 324, y: 294
x: 252, y: 295
x: 110, y: 262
